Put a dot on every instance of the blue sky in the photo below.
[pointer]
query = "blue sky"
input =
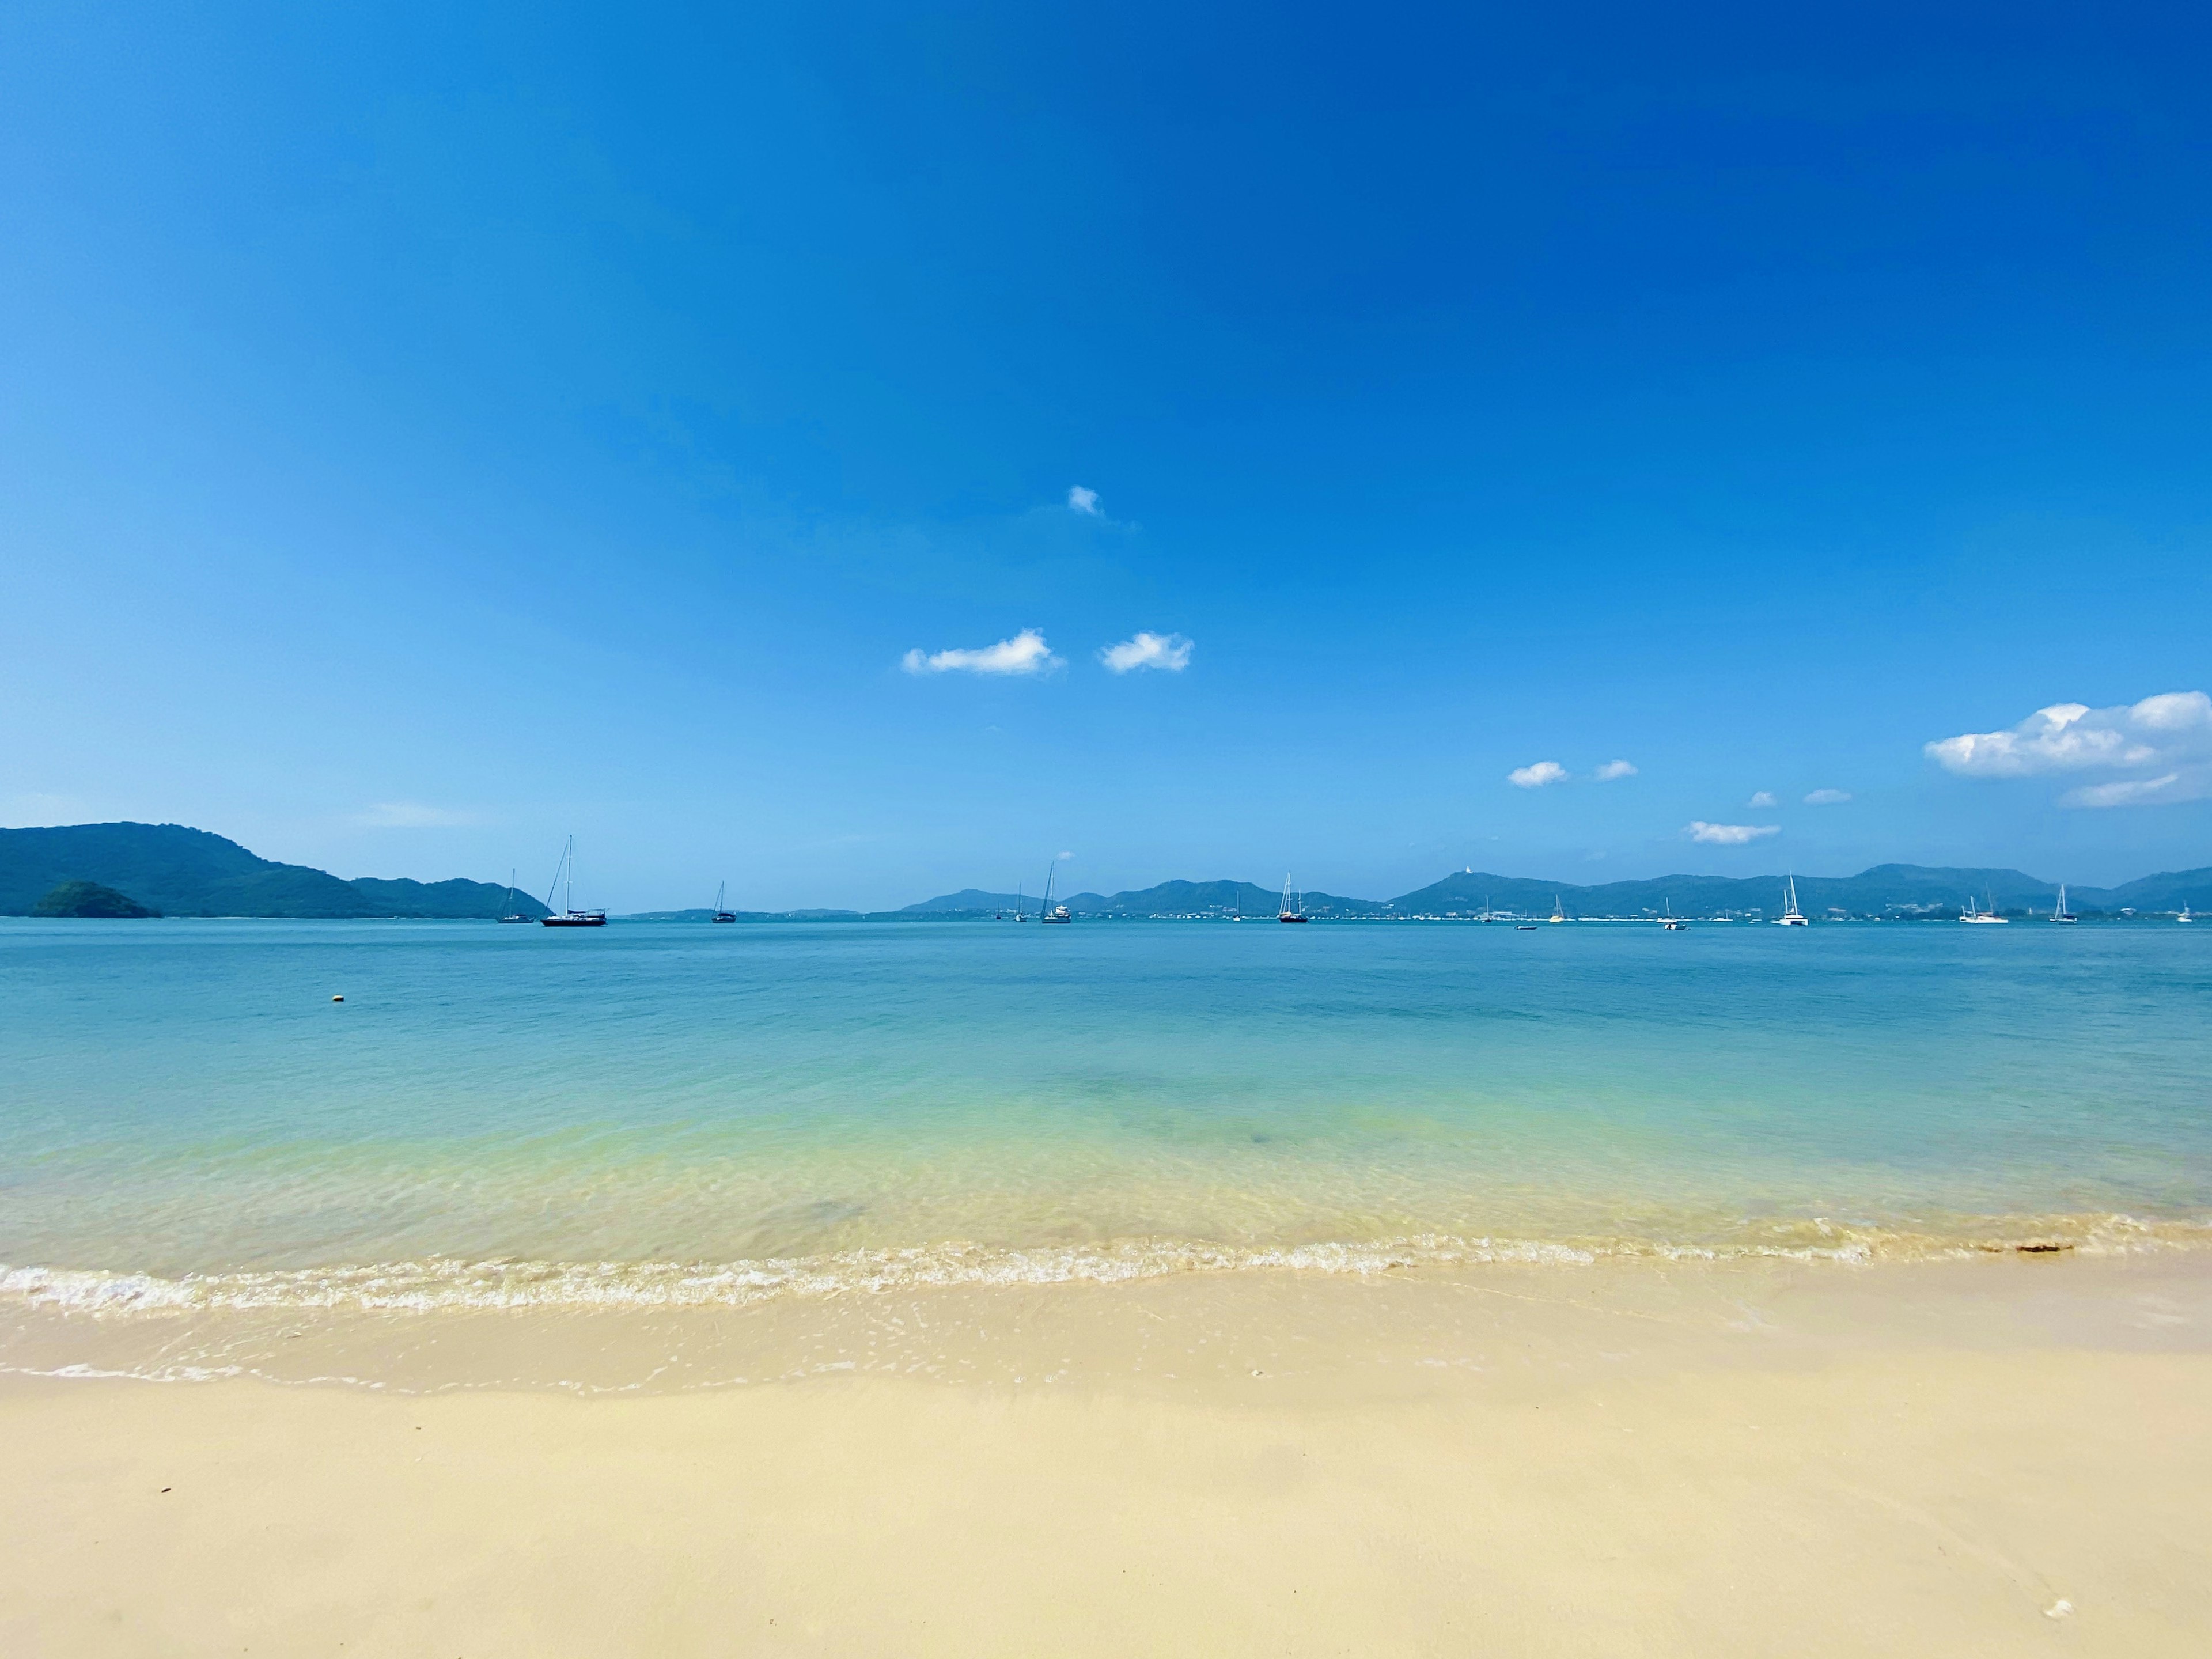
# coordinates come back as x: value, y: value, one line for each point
x: 427, y: 433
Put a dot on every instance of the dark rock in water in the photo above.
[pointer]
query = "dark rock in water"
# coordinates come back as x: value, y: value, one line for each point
x: 89, y: 898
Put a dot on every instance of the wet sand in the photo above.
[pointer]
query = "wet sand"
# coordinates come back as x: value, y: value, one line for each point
x: 1985, y: 1457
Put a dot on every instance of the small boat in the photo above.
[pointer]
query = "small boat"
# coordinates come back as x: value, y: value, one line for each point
x: 1046, y: 910
x: 720, y: 913
x: 2185, y: 915
x: 1670, y: 921
x: 2062, y: 914
x: 1791, y: 915
x: 568, y: 915
x: 1984, y: 918
x: 1558, y: 914
x: 1524, y: 927
x: 1291, y: 912
x: 508, y: 912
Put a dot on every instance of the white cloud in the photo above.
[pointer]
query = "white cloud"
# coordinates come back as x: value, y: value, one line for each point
x: 1083, y: 500
x: 1826, y: 798
x: 2165, y: 739
x: 1612, y: 769
x: 1025, y: 654
x: 1763, y: 798
x: 1728, y: 834
x: 410, y: 815
x: 1168, y: 651
x: 1536, y: 776
x: 1063, y: 858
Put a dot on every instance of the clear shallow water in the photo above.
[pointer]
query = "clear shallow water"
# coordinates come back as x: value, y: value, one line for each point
x: 684, y: 1113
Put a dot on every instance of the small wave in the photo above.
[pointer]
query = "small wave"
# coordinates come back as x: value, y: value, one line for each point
x: 438, y: 1283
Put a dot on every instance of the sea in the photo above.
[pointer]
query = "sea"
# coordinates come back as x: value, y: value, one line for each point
x: 671, y: 1115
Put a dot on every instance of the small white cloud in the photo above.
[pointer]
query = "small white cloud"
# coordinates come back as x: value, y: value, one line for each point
x: 1728, y: 834
x: 1763, y: 798
x: 1025, y: 654
x: 1083, y: 500
x: 2167, y: 739
x: 1828, y: 798
x: 410, y: 815
x: 2128, y: 792
x: 1536, y: 776
x: 1168, y: 651
x: 1063, y: 858
x: 1612, y: 769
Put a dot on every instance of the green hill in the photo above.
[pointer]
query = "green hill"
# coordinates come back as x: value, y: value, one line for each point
x: 90, y: 899
x: 190, y: 872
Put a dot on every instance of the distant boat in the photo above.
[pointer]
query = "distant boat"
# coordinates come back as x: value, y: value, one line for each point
x: 569, y: 915
x: 1524, y: 927
x: 721, y: 915
x: 1791, y: 915
x: 508, y: 912
x: 1670, y: 921
x: 1291, y: 912
x: 1558, y: 912
x: 2062, y: 914
x: 1984, y: 918
x: 1046, y: 910
x: 2185, y: 915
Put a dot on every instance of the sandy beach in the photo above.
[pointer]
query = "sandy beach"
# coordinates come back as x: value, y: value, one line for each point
x: 1981, y: 1457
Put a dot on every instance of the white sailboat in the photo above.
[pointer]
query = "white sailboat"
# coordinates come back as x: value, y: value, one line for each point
x: 722, y: 912
x: 1559, y: 911
x: 1290, y: 911
x: 1670, y: 921
x: 1791, y: 917
x: 2062, y: 914
x: 2185, y: 915
x: 507, y: 911
x: 1046, y: 910
x: 1984, y: 918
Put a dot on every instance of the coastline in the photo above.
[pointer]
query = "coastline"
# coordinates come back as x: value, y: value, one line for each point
x: 1661, y: 1457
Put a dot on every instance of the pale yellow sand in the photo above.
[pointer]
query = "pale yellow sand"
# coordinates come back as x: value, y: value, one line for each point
x: 1921, y: 1462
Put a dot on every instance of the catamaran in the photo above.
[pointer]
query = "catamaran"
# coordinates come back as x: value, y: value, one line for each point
x: 1290, y: 912
x: 508, y: 912
x: 568, y: 915
x: 1984, y: 918
x: 1791, y: 915
x: 2062, y: 914
x: 720, y: 913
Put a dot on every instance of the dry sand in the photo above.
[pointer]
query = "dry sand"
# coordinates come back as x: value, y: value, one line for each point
x: 1985, y: 1458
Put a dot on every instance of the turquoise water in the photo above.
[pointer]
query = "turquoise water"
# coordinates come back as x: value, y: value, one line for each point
x: 685, y: 1112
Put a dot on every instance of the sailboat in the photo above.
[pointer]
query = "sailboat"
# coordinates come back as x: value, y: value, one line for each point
x: 1559, y: 913
x: 568, y: 915
x: 2062, y: 914
x: 1670, y: 921
x: 1290, y: 911
x: 2185, y: 915
x: 1984, y: 918
x: 721, y: 914
x: 1046, y: 910
x: 507, y: 911
x: 1791, y: 915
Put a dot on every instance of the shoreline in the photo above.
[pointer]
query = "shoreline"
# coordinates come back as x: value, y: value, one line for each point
x: 670, y: 1327
x: 1686, y: 1458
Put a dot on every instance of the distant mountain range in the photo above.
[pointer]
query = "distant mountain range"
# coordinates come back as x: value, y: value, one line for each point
x: 190, y: 872
x: 168, y: 868
x: 1896, y: 890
